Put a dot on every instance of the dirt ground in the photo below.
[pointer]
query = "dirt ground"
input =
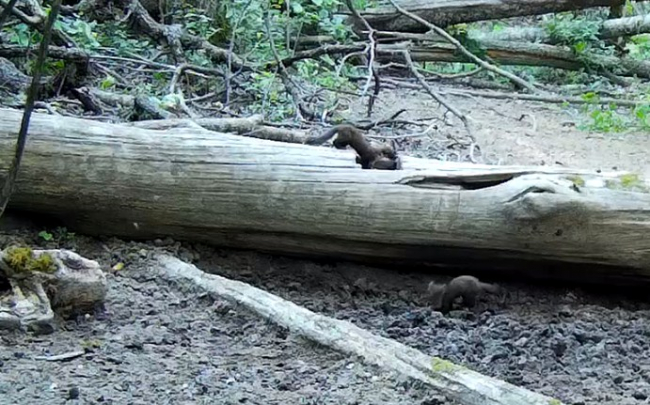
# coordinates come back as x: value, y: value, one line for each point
x: 154, y: 344
x: 520, y: 132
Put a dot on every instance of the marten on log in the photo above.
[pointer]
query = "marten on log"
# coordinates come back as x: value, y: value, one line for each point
x: 468, y: 287
x: 381, y: 157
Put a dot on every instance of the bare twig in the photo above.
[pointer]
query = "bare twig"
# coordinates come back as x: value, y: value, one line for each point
x: 6, y: 11
x: 345, y: 58
x: 322, y: 50
x: 518, y: 81
x: 441, y: 100
x: 387, y: 120
x: 231, y: 46
x: 176, y: 36
x: 32, y: 95
x: 62, y: 357
x: 372, y: 49
x: 185, y: 67
x: 38, y: 21
x: 291, y: 87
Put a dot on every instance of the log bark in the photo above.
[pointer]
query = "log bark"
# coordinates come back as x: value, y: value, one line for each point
x: 456, y: 382
x: 73, y: 285
x: 429, y: 49
x: 241, y: 192
x: 443, y: 13
x: 619, y: 27
x: 516, y: 53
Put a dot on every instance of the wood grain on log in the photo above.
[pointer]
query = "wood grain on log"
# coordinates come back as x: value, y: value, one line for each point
x: 242, y: 192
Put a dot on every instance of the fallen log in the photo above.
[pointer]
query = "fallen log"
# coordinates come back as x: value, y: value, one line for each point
x: 384, y: 17
x: 618, y: 27
x: 456, y: 382
x: 427, y: 48
x: 516, y: 53
x: 241, y: 192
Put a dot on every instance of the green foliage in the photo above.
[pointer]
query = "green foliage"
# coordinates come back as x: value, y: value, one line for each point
x: 21, y: 35
x: 58, y: 235
x: 461, y: 33
x: 642, y: 114
x: 607, y: 118
x: 566, y: 29
x: 639, y: 47
x: 107, y: 83
x: 81, y: 31
x: 46, y: 236
x: 270, y: 95
x: 580, y: 35
x: 113, y: 35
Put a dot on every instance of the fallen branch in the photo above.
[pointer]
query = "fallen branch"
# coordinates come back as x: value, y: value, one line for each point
x: 37, y: 21
x: 175, y: 36
x: 442, y: 101
x: 485, y: 65
x: 233, y: 125
x: 235, y: 190
x: 126, y: 100
x: 186, y: 67
x: 372, y: 50
x: 289, y: 84
x: 429, y: 48
x: 456, y: 382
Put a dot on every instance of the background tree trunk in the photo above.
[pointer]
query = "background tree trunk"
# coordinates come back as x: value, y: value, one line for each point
x: 448, y: 12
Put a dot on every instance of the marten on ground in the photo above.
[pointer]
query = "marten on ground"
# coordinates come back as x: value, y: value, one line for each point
x: 382, y: 157
x: 469, y: 287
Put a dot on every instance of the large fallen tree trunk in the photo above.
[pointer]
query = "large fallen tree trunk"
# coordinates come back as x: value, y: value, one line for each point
x: 234, y: 191
x: 442, y: 13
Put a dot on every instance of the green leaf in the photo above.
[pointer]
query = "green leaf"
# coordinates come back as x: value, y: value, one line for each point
x: 297, y: 8
x: 45, y: 235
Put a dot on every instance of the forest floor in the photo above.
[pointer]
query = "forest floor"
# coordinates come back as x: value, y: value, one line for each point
x: 156, y: 345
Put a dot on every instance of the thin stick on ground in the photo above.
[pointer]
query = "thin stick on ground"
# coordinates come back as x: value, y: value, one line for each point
x: 518, y: 81
x: 442, y: 101
x: 32, y: 95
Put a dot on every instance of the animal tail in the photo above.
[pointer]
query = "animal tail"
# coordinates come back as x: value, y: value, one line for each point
x: 491, y: 288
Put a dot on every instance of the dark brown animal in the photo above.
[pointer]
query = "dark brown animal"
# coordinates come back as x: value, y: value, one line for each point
x: 468, y: 287
x: 369, y: 156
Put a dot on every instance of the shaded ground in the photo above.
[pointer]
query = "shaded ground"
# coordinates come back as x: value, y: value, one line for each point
x: 158, y: 345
